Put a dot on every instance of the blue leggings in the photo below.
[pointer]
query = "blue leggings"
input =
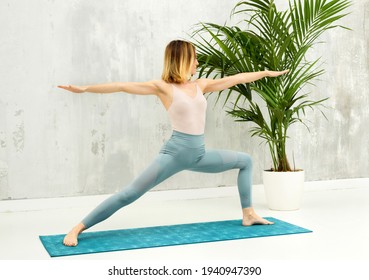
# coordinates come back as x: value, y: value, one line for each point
x: 181, y: 152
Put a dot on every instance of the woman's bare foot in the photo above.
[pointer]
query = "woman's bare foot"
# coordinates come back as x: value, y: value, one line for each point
x: 71, y: 239
x: 251, y: 218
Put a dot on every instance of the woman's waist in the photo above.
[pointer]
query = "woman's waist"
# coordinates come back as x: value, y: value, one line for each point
x: 187, y: 140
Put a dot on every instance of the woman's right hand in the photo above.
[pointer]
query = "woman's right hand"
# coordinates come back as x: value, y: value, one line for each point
x: 75, y: 89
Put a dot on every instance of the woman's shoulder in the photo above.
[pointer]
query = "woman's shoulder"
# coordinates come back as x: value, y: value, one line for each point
x: 202, y: 82
x: 163, y: 86
x: 159, y: 84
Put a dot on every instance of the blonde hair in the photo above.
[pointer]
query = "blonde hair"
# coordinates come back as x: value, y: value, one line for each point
x: 178, y: 58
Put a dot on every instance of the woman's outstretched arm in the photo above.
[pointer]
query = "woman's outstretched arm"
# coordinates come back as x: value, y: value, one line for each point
x: 143, y: 88
x: 211, y: 85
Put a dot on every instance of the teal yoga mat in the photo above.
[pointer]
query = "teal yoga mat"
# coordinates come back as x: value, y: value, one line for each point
x: 149, y: 237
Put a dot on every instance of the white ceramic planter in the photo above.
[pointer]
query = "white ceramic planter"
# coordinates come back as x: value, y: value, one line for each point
x: 284, y: 189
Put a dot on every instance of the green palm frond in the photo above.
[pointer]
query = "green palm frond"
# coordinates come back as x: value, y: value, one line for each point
x: 273, y: 40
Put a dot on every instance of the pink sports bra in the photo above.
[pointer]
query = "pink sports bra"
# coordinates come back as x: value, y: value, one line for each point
x: 187, y: 114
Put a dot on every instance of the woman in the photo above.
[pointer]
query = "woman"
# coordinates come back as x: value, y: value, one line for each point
x: 186, y: 105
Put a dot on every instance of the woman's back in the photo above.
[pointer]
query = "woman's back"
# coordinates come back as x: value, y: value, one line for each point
x: 187, y: 111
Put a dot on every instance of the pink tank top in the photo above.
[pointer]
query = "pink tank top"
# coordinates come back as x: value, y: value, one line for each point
x: 186, y: 113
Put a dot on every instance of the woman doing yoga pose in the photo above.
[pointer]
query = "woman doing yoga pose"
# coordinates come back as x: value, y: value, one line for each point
x: 185, y: 150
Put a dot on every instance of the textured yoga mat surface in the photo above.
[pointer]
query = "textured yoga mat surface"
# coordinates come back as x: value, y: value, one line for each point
x: 139, y: 238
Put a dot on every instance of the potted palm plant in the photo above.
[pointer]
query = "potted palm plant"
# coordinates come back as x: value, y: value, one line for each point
x: 271, y: 40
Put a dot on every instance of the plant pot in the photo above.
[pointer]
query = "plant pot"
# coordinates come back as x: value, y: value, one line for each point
x: 284, y: 190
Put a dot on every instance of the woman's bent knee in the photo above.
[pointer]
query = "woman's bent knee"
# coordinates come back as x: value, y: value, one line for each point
x: 244, y: 160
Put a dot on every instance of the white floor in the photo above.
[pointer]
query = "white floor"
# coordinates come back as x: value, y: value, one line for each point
x: 336, y: 211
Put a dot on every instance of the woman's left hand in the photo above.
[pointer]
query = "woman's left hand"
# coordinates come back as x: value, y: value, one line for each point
x: 276, y: 73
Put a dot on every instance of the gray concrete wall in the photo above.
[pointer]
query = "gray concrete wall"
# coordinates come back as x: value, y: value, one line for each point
x: 54, y: 143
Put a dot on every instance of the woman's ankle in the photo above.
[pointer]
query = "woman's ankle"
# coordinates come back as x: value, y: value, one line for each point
x: 79, y: 228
